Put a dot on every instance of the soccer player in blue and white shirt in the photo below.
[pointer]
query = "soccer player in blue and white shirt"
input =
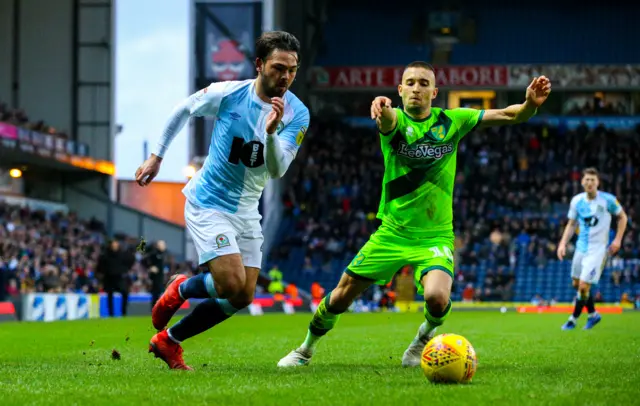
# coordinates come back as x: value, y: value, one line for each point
x: 259, y: 127
x: 591, y: 211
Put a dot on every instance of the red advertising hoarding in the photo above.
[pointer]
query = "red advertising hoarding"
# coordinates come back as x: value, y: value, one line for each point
x: 389, y: 76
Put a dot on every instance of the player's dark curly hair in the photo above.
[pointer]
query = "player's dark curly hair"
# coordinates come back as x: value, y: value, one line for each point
x: 271, y: 40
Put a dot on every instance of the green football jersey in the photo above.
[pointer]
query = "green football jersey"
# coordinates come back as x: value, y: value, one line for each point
x: 420, y: 169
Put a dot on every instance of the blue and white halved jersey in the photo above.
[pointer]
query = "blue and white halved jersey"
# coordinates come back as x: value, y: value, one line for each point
x: 234, y: 173
x: 594, y: 219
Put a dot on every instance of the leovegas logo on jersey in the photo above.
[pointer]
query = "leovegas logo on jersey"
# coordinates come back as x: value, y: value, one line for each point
x: 424, y: 150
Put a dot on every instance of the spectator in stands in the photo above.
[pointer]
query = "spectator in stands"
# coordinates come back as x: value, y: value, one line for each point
x: 18, y: 118
x: 292, y: 291
x: 275, y: 285
x: 625, y: 298
x: 155, y: 261
x: 51, y: 281
x: 12, y: 288
x: 537, y: 300
x: 388, y: 299
x: 317, y: 291
x: 114, y: 265
x: 468, y: 293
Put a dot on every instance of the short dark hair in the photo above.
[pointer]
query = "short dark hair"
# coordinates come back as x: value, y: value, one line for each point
x: 420, y: 64
x: 271, y: 40
x: 591, y: 171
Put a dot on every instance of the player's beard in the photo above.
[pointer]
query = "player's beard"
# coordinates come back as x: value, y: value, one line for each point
x: 271, y: 90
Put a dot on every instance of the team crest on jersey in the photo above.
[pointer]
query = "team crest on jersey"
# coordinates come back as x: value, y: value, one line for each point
x: 600, y: 209
x: 301, y: 134
x: 438, y: 132
x: 280, y: 127
x: 222, y: 241
x: 358, y: 259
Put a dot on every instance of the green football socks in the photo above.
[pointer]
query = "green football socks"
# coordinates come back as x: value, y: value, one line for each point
x: 323, y: 321
x: 436, y: 319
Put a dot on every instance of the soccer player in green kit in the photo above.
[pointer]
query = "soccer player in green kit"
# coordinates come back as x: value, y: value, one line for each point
x: 419, y: 144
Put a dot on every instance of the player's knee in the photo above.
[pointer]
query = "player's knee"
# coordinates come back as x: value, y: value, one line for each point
x: 230, y: 286
x: 583, y: 289
x: 242, y: 300
x: 437, y: 299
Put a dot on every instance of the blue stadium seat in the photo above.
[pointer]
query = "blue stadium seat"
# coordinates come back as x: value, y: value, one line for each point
x: 612, y: 42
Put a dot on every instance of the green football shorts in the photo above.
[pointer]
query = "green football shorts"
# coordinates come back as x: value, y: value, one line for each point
x: 387, y: 252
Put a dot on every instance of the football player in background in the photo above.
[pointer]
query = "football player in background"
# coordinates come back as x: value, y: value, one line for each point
x: 591, y: 211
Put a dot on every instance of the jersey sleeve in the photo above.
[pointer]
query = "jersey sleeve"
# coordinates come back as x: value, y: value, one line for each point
x: 573, y: 212
x: 465, y: 119
x: 613, y: 205
x: 206, y: 102
x: 386, y: 137
x: 293, y: 134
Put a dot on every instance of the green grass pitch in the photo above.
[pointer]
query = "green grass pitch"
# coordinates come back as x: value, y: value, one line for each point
x: 524, y: 359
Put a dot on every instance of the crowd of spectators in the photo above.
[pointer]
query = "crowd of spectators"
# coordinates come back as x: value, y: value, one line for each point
x: 598, y: 108
x: 19, y: 118
x: 57, y: 252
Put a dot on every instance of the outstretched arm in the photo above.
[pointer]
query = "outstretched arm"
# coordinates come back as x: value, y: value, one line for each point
x: 177, y: 119
x: 536, y: 94
x: 202, y: 103
x: 384, y: 114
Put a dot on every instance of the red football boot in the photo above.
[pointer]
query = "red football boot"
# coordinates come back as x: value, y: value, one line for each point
x: 167, y: 350
x: 168, y: 304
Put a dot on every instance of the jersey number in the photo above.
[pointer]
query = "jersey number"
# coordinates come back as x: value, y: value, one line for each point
x: 591, y: 221
x: 251, y: 153
x: 444, y: 252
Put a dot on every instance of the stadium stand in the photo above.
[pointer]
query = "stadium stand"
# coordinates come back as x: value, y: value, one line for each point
x: 611, y: 43
x: 58, y: 253
x: 19, y: 118
x: 511, y: 199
